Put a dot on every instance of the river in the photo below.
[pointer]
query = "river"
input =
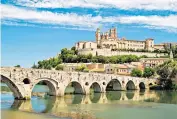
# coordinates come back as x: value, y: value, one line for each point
x: 112, y: 105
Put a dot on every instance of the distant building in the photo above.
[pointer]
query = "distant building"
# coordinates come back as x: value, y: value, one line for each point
x: 121, y: 69
x: 106, y: 42
x: 110, y: 40
x: 153, y: 62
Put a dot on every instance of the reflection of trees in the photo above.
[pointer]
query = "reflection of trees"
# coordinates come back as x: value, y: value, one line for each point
x: 77, y: 99
x: 113, y: 95
x: 73, y: 99
x: 167, y: 97
x: 94, y: 97
x: 130, y: 94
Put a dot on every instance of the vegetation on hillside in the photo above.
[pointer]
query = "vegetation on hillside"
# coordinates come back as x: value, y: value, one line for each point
x: 168, y: 74
x: 136, y: 73
x: 71, y: 56
x: 147, y: 72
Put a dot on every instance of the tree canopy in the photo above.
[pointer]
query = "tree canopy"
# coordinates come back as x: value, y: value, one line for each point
x: 148, y: 72
x: 71, y: 56
x: 168, y: 73
x: 136, y: 73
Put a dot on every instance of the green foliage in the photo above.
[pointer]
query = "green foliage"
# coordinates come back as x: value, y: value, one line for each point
x: 70, y: 56
x: 82, y: 68
x: 148, y: 72
x: 18, y: 65
x: 136, y: 73
x: 59, y: 67
x: 167, y: 73
x: 5, y: 89
x: 34, y: 66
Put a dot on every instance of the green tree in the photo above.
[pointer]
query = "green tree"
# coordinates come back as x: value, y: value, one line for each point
x: 168, y: 74
x: 18, y: 65
x: 59, y: 67
x: 148, y: 72
x: 136, y: 73
x: 34, y: 66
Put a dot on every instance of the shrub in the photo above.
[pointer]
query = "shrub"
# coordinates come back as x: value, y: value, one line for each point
x: 136, y: 73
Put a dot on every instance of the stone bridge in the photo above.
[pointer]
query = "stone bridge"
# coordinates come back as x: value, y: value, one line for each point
x: 21, y: 81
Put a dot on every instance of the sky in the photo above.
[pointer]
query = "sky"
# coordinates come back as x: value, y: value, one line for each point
x: 33, y: 30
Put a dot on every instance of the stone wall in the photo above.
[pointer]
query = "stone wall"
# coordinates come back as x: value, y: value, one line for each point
x: 108, y: 52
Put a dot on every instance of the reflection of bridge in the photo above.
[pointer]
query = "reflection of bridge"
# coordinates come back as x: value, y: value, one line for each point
x: 21, y: 81
x: 60, y: 104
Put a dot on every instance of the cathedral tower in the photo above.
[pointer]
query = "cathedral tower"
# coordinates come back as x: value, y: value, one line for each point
x: 98, y: 36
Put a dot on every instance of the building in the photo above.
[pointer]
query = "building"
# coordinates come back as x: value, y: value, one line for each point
x: 110, y: 40
x: 109, y: 44
x: 153, y: 62
x: 122, y: 69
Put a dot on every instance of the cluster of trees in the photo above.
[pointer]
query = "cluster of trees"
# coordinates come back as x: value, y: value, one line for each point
x: 71, y: 56
x: 148, y: 72
x: 48, y: 64
x: 168, y: 74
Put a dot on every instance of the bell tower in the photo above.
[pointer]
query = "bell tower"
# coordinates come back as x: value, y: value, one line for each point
x: 98, y: 36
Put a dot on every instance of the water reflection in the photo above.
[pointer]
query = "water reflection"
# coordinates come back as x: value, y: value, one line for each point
x: 169, y: 97
x: 45, y: 105
x: 130, y: 95
x: 95, y: 97
x: 73, y: 99
x: 70, y: 105
x: 113, y: 95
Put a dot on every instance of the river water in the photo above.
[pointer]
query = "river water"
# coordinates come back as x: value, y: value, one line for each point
x: 112, y: 105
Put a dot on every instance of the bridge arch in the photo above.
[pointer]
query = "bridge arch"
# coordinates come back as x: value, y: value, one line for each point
x: 142, y: 86
x: 13, y: 87
x: 130, y: 85
x: 49, y: 83
x: 78, y: 89
x: 114, y: 85
x: 96, y: 87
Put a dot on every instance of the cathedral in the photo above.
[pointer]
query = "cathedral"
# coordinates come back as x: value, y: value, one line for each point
x: 110, y: 41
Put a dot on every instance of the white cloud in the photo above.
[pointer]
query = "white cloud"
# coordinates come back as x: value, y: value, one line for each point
x: 121, y: 4
x: 84, y: 21
x: 46, y: 17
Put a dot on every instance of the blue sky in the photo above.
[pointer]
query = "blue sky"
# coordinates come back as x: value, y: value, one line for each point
x: 33, y: 30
